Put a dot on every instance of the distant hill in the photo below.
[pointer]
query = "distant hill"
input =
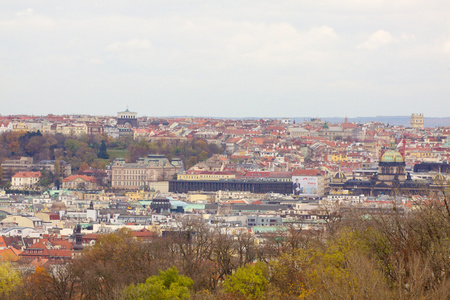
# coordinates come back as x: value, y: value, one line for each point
x: 391, y: 120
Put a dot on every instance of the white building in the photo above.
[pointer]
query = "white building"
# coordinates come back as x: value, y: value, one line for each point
x: 25, y: 180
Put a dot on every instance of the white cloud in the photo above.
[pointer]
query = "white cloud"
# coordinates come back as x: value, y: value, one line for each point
x: 447, y: 47
x: 281, y: 43
x: 131, y: 45
x: 376, y: 40
x: 96, y: 61
x: 25, y: 13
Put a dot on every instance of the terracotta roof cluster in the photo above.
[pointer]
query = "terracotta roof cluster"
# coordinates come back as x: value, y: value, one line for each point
x: 27, y: 174
x: 83, y: 177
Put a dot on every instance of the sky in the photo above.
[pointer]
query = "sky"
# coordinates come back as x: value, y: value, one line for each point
x: 253, y: 58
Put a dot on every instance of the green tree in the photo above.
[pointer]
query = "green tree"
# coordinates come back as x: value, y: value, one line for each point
x: 47, y: 178
x: 203, y: 155
x: 167, y: 285
x: 102, y: 153
x: 57, y: 165
x: 251, y: 281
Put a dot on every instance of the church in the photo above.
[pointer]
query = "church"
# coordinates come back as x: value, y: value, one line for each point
x: 391, y: 179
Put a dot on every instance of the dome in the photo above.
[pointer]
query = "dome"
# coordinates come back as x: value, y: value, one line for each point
x: 340, y: 175
x: 392, y: 156
x: 439, y: 177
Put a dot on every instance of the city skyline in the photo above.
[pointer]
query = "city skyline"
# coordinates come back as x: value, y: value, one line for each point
x: 233, y: 60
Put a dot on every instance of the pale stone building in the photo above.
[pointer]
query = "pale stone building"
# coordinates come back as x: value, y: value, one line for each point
x: 417, y: 121
x: 25, y: 180
x: 144, y: 171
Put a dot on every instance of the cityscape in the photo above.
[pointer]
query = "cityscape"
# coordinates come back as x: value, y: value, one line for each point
x: 70, y: 181
x: 224, y: 150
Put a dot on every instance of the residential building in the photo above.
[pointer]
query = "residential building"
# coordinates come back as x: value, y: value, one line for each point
x: 80, y: 182
x: 25, y: 180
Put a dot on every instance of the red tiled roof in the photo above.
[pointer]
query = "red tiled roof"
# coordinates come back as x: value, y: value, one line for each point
x: 27, y: 174
x: 306, y: 172
x: 84, y: 177
x: 60, y: 253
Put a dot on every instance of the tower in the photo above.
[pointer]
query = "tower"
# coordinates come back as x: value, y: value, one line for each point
x: 417, y: 121
x: 78, y: 238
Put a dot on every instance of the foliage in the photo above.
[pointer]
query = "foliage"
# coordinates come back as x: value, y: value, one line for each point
x: 251, y: 281
x: 98, y: 150
x: 395, y: 256
x: 37, y: 284
x: 166, y: 285
x: 103, y: 153
x: 47, y: 179
x: 9, y: 279
x: 190, y: 152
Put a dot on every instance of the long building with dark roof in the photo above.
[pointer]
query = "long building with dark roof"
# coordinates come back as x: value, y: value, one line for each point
x: 254, y: 186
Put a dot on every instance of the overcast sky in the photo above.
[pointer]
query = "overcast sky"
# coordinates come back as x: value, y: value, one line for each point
x: 226, y: 58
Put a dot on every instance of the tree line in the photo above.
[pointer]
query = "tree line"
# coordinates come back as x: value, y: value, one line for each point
x: 92, y: 151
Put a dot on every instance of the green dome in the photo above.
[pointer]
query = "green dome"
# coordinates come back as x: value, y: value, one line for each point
x: 392, y: 156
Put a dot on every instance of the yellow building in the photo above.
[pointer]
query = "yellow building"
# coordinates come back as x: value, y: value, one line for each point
x: 338, y: 157
x: 205, y: 197
x: 21, y: 221
x: 139, y: 195
x: 20, y: 127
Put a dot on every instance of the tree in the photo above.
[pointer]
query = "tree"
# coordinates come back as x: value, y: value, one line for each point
x: 191, y: 162
x: 9, y: 279
x: 102, y: 153
x: 250, y: 281
x: 193, y: 248
x: 167, y: 285
x: 47, y: 178
x: 99, y: 164
x: 113, y: 263
x: 84, y: 166
x: 57, y: 165
x: 36, y: 285
x: 203, y: 156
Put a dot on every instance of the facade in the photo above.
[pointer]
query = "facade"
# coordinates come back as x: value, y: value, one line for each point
x: 25, y: 180
x: 24, y: 221
x: 253, y: 186
x: 94, y: 128
x: 127, y: 118
x: 391, y: 179
x: 308, y: 183
x: 143, y: 172
x: 80, y: 182
x: 12, y: 166
x: 205, y: 175
x: 417, y: 121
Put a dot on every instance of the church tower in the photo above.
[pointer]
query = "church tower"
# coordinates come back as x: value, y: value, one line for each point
x: 417, y: 121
